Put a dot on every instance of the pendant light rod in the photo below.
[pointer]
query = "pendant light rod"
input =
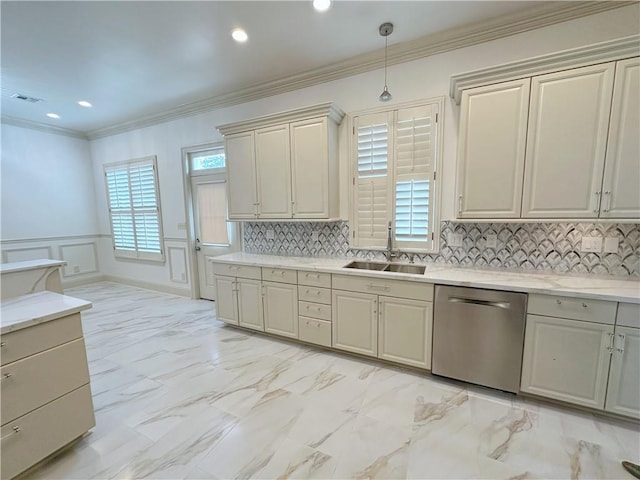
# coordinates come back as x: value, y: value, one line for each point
x: 385, y: 30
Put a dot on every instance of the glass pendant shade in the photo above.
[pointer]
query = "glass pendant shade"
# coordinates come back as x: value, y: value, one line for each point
x: 385, y: 96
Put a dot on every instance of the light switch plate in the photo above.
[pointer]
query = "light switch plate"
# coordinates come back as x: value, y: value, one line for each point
x: 314, y: 236
x: 454, y: 239
x: 492, y: 241
x: 611, y: 245
x: 591, y: 244
x: 270, y: 234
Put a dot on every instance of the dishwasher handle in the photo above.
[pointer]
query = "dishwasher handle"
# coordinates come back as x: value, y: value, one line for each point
x: 477, y: 301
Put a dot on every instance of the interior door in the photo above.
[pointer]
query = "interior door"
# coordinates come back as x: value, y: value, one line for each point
x: 214, y: 234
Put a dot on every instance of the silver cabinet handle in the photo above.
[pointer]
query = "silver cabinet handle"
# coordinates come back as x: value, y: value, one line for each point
x: 584, y: 305
x: 7, y: 375
x: 373, y: 286
x: 279, y: 272
x: 597, y: 207
x: 2, y: 344
x: 475, y: 301
x: 14, y: 430
x: 460, y: 204
x: 607, y: 209
x: 620, y: 348
x: 611, y: 339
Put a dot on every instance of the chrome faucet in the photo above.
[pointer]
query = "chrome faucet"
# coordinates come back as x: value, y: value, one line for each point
x: 390, y: 253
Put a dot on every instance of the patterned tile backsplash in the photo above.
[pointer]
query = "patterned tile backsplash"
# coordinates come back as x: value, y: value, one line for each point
x: 531, y: 246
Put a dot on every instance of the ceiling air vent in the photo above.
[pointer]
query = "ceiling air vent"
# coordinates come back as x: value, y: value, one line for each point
x: 26, y: 98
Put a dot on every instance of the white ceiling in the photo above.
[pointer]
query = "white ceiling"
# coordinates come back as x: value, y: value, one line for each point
x: 136, y: 59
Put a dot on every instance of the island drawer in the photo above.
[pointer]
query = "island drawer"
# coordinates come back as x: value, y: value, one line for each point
x: 29, y: 341
x: 314, y: 331
x: 33, y: 381
x: 314, y: 294
x: 628, y: 315
x: 281, y: 275
x: 384, y: 286
x: 315, y: 310
x: 232, y: 270
x: 314, y: 279
x: 597, y: 311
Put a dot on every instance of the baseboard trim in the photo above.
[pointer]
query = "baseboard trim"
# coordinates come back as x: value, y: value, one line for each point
x: 156, y: 287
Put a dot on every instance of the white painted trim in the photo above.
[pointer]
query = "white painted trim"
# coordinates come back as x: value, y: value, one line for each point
x: 597, y: 221
x: 174, y: 239
x: 576, y: 57
x: 43, y: 127
x: 440, y: 42
x: 183, y: 252
x: 52, y: 239
x: 5, y: 258
x: 156, y: 287
x: 95, y: 258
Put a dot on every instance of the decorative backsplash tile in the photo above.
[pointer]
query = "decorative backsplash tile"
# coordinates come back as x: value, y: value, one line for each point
x: 531, y: 246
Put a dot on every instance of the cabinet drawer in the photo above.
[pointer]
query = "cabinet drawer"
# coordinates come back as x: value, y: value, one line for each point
x: 314, y: 331
x: 32, y: 340
x: 314, y: 279
x: 598, y: 311
x: 383, y: 286
x: 315, y: 310
x: 45, y: 430
x: 241, y: 271
x: 281, y: 275
x: 33, y: 381
x: 628, y: 315
x: 314, y: 294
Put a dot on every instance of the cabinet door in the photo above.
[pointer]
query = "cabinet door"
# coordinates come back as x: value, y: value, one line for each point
x: 404, y: 331
x: 623, y: 394
x: 250, y: 304
x: 241, y: 175
x: 226, y: 300
x: 620, y: 191
x: 310, y: 168
x: 273, y: 171
x: 281, y: 309
x: 493, y: 132
x: 566, y: 142
x: 567, y: 360
x: 355, y: 325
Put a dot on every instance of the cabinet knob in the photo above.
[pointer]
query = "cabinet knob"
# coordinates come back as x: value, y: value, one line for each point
x: 14, y: 430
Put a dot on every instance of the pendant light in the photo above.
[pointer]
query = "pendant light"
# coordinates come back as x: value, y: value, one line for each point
x: 385, y: 30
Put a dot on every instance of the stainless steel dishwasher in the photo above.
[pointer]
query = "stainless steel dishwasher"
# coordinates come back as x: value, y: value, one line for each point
x: 478, y: 336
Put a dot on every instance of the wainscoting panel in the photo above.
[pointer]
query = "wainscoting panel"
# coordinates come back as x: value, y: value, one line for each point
x: 81, y: 258
x: 22, y: 254
x: 178, y: 264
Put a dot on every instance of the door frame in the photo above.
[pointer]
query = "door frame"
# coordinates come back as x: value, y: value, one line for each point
x: 189, y: 214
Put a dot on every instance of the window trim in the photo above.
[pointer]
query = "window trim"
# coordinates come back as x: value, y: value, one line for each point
x: 439, y: 102
x: 190, y: 152
x: 155, y: 257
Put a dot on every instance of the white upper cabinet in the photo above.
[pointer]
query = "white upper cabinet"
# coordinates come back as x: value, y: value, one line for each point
x: 284, y: 166
x: 241, y: 173
x: 491, y: 148
x: 620, y: 187
x: 273, y: 172
x: 566, y: 142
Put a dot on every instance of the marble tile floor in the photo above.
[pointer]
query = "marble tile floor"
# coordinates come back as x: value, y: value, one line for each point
x: 179, y: 395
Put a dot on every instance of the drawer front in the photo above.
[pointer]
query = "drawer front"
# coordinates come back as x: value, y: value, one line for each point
x: 45, y: 430
x: 33, y: 381
x: 32, y: 340
x: 315, y: 310
x: 628, y: 315
x: 314, y: 294
x: 241, y: 271
x: 383, y: 286
x: 314, y: 279
x: 597, y: 311
x: 281, y: 275
x: 314, y: 331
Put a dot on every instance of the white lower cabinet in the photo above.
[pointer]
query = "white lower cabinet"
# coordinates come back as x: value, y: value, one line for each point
x: 226, y: 300
x: 281, y: 308
x: 355, y: 322
x: 567, y: 359
x: 404, y: 331
x: 250, y: 303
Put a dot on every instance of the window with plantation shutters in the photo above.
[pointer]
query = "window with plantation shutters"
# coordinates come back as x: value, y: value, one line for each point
x: 132, y: 191
x: 394, y: 181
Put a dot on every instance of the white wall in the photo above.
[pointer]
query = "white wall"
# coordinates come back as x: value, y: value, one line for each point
x: 48, y: 201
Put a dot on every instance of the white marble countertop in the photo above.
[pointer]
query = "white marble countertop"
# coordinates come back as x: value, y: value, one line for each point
x: 35, y: 308
x: 584, y: 286
x: 30, y: 265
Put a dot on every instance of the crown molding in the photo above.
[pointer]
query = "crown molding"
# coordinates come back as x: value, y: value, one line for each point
x: 43, y: 127
x: 576, y: 57
x: 440, y: 42
x: 330, y: 110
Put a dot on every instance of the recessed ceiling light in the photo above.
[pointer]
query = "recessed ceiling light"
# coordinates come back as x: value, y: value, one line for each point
x: 321, y: 5
x: 239, y: 35
x: 53, y: 115
x: 84, y: 103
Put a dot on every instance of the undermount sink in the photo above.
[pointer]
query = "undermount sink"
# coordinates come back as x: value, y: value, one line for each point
x: 387, y: 267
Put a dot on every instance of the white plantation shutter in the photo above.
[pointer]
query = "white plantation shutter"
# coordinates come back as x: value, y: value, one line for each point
x: 132, y: 190
x: 372, y: 205
x: 395, y: 158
